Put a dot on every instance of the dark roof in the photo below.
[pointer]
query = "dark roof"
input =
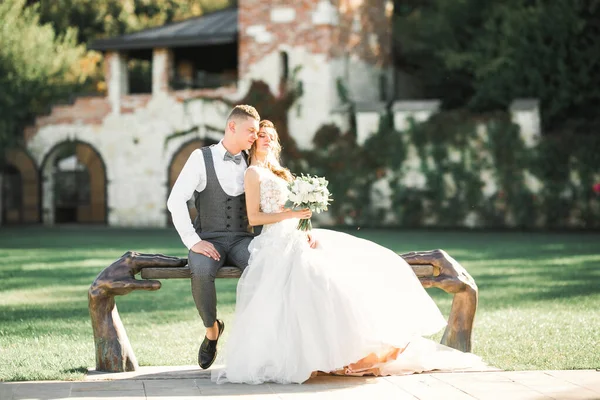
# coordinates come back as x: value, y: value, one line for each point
x: 219, y: 27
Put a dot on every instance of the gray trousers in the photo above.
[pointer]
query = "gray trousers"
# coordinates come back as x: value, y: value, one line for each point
x: 233, y: 248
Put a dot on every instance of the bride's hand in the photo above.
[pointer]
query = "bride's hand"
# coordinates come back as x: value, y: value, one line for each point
x: 312, y: 242
x: 302, y: 214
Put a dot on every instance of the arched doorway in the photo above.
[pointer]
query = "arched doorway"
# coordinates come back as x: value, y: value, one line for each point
x: 20, y: 189
x: 74, y: 185
x: 176, y: 165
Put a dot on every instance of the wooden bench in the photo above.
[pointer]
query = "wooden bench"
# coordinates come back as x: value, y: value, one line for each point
x: 434, y: 268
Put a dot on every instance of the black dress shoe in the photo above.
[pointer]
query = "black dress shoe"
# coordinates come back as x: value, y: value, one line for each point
x: 208, y: 349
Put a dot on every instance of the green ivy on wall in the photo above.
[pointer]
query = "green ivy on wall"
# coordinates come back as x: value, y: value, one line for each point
x: 454, y: 150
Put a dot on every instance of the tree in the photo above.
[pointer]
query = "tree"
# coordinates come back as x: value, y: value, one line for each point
x: 482, y: 55
x: 105, y: 18
x: 37, y: 67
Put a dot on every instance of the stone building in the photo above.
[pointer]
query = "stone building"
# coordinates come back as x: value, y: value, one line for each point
x: 112, y: 159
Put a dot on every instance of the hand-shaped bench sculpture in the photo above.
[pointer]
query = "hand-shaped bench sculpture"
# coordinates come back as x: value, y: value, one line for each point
x: 113, y: 351
x: 434, y: 268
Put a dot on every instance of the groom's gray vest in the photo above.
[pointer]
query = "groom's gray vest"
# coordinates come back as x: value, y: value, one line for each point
x: 219, y: 212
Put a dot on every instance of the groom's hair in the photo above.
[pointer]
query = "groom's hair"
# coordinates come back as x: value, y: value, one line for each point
x: 244, y: 111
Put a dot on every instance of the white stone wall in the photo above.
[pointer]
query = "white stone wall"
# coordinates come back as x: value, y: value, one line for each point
x: 368, y: 116
x: 363, y: 81
x: 417, y: 110
x: 132, y: 147
x: 526, y: 114
x: 313, y: 109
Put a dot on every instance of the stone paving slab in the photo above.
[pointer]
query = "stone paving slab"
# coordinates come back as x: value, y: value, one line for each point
x: 152, y: 373
x: 38, y: 390
x: 189, y: 382
x: 589, y: 379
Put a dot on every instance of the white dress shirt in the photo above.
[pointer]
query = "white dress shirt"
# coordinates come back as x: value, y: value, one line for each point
x: 193, y: 178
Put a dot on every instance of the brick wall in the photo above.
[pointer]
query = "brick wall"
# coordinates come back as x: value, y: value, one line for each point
x: 364, y: 30
x: 331, y: 27
x: 85, y: 111
x: 329, y: 42
x: 265, y: 25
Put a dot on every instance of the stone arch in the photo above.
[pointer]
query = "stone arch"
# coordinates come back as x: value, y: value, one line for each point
x: 91, y: 206
x: 21, y: 182
x: 178, y: 160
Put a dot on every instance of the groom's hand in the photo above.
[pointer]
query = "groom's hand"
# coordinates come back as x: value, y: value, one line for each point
x: 207, y: 249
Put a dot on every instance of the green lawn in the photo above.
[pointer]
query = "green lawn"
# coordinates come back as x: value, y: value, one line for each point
x: 539, y: 297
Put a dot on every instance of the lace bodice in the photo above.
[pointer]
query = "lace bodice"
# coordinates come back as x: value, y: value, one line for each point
x: 273, y: 191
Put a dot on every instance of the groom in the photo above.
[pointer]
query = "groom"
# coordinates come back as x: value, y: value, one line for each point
x: 221, y: 233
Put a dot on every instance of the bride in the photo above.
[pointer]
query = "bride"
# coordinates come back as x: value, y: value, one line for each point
x: 326, y: 302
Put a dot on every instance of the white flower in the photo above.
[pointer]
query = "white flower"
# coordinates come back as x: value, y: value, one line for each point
x: 305, y: 197
x: 304, y: 187
x: 309, y: 191
x: 295, y: 198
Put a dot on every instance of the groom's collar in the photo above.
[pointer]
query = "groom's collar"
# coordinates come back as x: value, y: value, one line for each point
x: 221, y: 149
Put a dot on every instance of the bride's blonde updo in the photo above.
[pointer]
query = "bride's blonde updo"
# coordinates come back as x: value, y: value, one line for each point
x: 272, y: 161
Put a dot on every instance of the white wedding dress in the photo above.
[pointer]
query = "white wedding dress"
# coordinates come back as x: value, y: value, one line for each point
x: 301, y: 310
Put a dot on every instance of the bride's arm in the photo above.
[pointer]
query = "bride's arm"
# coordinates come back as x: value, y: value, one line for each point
x: 257, y: 217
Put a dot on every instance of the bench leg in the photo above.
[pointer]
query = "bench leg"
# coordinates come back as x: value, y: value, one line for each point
x: 113, y: 351
x: 460, y: 322
x: 451, y: 277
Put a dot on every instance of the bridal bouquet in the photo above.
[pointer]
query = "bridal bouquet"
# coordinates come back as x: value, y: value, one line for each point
x: 308, y: 192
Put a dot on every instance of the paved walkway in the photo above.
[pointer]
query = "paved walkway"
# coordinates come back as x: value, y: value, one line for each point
x: 181, y: 383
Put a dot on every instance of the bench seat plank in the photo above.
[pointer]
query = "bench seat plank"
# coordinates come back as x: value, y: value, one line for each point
x: 233, y: 272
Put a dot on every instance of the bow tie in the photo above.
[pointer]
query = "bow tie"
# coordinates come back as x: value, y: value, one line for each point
x: 230, y: 157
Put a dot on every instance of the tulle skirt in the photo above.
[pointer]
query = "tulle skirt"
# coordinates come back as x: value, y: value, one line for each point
x: 349, y: 306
